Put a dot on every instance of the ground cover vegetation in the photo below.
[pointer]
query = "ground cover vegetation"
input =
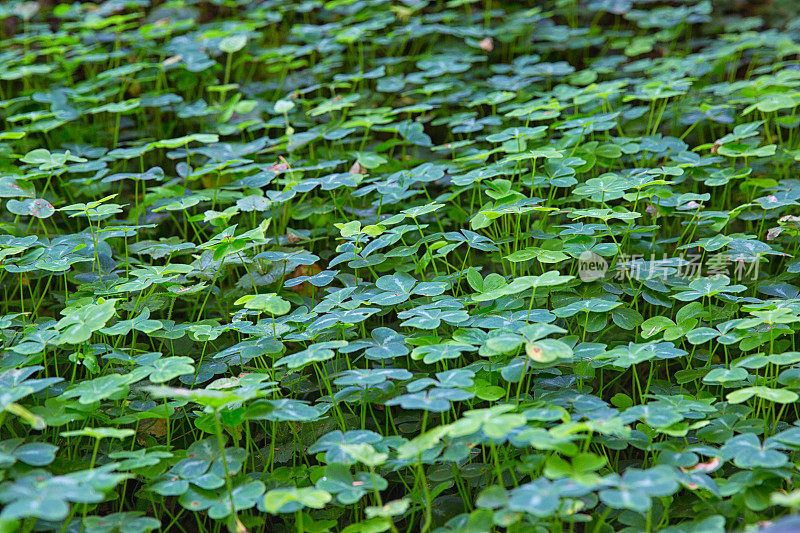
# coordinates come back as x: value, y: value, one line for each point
x: 418, y: 265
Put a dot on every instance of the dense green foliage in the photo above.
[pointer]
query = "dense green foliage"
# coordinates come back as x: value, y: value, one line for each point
x: 418, y: 265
